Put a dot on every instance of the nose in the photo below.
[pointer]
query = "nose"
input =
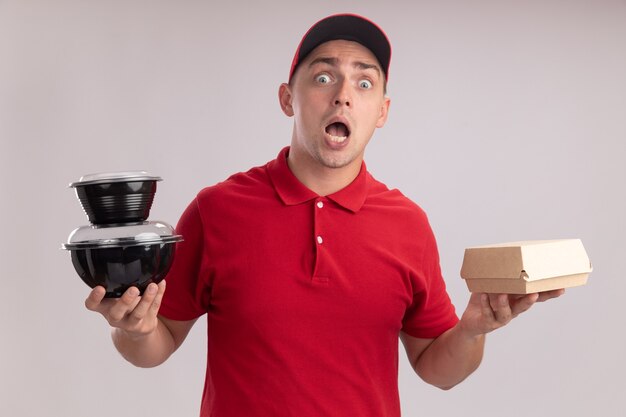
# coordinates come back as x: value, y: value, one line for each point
x: 343, y: 97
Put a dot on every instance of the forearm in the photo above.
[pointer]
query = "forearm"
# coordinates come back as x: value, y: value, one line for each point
x: 450, y: 358
x: 145, y: 351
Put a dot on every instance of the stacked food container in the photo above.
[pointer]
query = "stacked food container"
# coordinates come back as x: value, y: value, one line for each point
x: 120, y: 248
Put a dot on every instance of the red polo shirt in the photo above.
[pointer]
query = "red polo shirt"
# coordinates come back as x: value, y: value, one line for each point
x: 305, y: 295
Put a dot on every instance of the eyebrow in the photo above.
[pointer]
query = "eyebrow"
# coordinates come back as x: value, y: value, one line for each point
x: 334, y: 62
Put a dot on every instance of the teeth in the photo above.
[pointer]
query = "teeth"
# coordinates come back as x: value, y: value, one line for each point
x: 337, y: 139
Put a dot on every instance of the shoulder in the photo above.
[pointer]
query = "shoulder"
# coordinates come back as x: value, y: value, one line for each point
x: 239, y: 185
x: 394, y: 200
x: 241, y: 195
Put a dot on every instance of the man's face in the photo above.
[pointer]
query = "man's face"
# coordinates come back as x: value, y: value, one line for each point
x: 337, y: 99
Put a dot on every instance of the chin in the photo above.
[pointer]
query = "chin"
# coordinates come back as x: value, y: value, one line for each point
x: 336, y: 161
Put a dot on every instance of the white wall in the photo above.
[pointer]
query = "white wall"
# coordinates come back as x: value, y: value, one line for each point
x: 508, y: 122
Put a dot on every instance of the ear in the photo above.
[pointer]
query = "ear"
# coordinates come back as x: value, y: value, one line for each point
x: 384, y: 112
x: 284, y: 98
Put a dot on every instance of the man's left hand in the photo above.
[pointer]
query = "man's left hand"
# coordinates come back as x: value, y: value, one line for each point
x: 488, y: 312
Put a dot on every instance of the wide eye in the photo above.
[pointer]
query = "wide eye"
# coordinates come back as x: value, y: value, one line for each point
x: 365, y: 84
x: 322, y: 79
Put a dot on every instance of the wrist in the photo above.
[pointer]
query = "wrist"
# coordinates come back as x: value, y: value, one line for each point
x: 131, y: 336
x: 468, y: 332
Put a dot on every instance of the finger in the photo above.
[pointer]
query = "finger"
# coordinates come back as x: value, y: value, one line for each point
x: 156, y: 304
x: 125, y: 304
x: 547, y: 295
x: 143, y: 307
x: 485, y: 307
x: 501, y: 307
x: 95, y: 298
x: 524, y: 303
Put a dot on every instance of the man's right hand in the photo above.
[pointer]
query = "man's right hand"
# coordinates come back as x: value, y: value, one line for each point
x: 134, y: 314
x: 143, y: 337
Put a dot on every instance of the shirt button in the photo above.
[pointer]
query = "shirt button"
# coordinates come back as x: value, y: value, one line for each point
x: 320, y: 240
x: 320, y: 204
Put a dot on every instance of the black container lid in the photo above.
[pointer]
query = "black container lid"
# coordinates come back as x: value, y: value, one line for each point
x: 110, y: 177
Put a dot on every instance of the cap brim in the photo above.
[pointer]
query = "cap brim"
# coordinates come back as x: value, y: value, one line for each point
x: 348, y: 27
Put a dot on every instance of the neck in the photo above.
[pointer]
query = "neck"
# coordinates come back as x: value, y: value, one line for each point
x: 322, y: 180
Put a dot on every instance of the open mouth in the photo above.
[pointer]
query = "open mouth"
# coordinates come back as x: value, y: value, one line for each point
x: 338, y: 132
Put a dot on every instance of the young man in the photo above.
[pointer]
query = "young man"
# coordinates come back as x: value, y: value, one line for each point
x: 310, y: 270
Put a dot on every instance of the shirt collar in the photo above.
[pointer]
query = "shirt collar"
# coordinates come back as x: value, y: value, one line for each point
x: 291, y: 191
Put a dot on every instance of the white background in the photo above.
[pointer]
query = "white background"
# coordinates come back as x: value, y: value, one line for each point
x: 508, y: 122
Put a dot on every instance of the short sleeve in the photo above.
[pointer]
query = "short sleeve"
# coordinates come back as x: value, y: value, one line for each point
x: 431, y: 313
x: 188, y: 292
